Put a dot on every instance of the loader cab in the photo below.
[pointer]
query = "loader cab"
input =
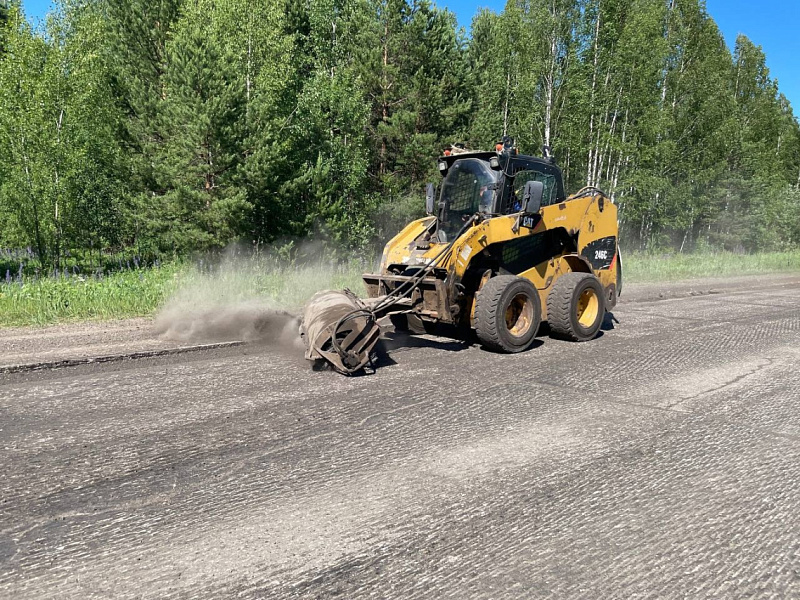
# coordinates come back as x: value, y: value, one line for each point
x: 469, y: 187
x: 490, y: 183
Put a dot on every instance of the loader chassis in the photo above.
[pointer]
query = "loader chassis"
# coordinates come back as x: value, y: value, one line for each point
x: 502, y: 251
x: 568, y: 234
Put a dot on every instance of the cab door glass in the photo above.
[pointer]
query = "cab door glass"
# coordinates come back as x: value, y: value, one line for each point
x: 524, y: 176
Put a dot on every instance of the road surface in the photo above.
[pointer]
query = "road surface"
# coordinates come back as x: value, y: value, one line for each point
x: 661, y: 460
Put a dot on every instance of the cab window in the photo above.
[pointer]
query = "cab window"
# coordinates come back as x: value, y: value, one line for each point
x: 524, y: 176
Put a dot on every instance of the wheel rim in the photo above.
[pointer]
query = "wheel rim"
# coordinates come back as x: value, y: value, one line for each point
x: 588, y: 307
x: 519, y: 315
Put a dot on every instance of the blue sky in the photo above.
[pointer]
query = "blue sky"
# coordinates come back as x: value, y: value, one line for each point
x: 771, y: 24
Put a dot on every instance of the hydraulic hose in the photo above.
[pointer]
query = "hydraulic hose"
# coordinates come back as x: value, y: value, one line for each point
x: 398, y: 293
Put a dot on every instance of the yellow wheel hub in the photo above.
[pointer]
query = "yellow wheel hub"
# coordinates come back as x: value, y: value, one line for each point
x: 588, y: 307
x: 519, y: 315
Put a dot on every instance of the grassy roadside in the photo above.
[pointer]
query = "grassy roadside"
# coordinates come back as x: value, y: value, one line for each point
x: 117, y: 295
x: 642, y: 268
x: 141, y: 292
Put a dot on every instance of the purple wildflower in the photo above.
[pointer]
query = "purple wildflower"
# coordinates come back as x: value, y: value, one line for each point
x: 8, y: 275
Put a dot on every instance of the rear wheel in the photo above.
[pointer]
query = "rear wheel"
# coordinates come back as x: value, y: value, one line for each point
x: 576, y: 307
x: 507, y: 313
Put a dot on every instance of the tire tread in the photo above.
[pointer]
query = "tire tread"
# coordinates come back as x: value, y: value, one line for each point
x: 486, y: 313
x: 559, y: 306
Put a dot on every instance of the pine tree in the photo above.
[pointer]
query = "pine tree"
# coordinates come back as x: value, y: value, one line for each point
x: 329, y: 155
x: 136, y: 35
x: 416, y: 81
x: 201, y: 120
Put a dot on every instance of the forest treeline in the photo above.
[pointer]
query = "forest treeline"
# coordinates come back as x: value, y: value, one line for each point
x: 170, y: 126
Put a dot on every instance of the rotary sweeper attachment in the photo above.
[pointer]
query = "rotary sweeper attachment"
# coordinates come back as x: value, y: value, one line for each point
x: 340, y: 329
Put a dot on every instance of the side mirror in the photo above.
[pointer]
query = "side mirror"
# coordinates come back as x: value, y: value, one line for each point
x: 430, y: 199
x: 532, y: 196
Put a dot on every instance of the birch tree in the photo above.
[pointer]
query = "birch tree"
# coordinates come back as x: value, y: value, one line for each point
x: 57, y: 135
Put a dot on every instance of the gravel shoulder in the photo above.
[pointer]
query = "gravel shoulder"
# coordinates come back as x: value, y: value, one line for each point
x: 26, y: 345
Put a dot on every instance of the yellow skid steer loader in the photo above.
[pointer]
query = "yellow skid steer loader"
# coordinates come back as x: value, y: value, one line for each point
x: 502, y: 250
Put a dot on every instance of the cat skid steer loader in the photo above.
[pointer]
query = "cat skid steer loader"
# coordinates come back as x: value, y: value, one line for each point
x: 502, y: 250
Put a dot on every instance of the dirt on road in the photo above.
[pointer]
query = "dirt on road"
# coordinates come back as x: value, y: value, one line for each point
x: 661, y: 460
x: 252, y: 322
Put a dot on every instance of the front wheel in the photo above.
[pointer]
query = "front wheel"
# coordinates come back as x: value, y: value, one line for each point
x: 507, y: 314
x: 576, y: 307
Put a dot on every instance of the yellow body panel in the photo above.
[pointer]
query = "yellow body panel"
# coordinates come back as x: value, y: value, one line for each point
x: 584, y: 220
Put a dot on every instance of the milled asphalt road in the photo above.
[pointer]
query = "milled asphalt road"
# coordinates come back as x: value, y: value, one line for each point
x: 661, y: 460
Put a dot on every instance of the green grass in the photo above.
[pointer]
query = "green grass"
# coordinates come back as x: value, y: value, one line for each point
x: 143, y: 292
x: 671, y: 267
x: 124, y: 294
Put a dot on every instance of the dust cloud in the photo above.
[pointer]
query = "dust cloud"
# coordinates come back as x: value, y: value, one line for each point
x: 243, y: 297
x: 248, y: 321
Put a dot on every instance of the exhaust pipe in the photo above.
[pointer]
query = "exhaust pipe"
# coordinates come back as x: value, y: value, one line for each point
x: 340, y: 330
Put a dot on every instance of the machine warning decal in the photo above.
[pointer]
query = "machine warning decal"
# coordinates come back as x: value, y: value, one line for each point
x: 600, y: 253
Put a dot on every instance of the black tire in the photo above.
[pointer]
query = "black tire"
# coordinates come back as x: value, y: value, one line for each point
x: 508, y: 313
x: 576, y: 307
